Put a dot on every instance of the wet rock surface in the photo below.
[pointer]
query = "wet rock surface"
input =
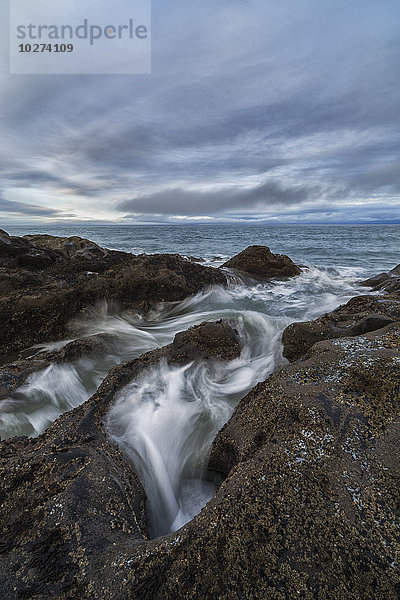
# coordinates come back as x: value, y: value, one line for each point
x: 68, y: 499
x: 68, y: 247
x: 260, y: 263
x: 309, y: 506
x: 360, y: 315
x: 312, y: 491
x: 384, y: 281
x: 71, y: 502
x: 217, y: 340
x: 86, y: 346
x: 45, y: 281
x: 15, y: 373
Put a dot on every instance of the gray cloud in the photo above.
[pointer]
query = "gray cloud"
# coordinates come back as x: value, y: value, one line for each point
x: 184, y: 202
x: 9, y: 206
x: 43, y: 179
x: 380, y: 176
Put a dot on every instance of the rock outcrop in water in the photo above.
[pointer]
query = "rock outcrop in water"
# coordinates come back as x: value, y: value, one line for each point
x: 384, y: 281
x: 260, y: 263
x: 360, y: 315
x: 71, y: 502
x: 14, y: 374
x: 45, y: 281
x: 218, y: 340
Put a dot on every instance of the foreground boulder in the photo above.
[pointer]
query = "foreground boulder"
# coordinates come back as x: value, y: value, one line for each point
x: 311, y: 504
x: 309, y: 507
x: 260, y: 263
x: 359, y: 315
x: 71, y: 502
x: 46, y: 281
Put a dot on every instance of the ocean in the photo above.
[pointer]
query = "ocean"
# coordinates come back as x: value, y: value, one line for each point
x: 367, y: 248
x: 167, y: 420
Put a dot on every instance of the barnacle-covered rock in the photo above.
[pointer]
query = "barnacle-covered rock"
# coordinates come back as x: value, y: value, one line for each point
x: 359, y: 315
x: 71, y: 502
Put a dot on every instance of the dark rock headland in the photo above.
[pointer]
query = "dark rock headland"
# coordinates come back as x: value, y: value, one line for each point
x: 45, y: 281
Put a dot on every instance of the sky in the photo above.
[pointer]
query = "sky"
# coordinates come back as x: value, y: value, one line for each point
x: 256, y: 111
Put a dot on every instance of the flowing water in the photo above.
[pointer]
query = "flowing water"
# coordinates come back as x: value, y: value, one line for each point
x: 166, y: 420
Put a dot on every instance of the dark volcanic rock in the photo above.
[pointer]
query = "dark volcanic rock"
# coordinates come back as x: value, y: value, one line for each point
x: 389, y: 282
x: 68, y: 247
x: 208, y: 340
x: 376, y: 280
x: 360, y: 315
x: 310, y: 507
x: 19, y: 252
x: 72, y: 506
x: 37, y: 313
x: 68, y: 499
x: 45, y: 281
x: 260, y: 263
x: 86, y: 346
x: 146, y: 280
x: 395, y: 272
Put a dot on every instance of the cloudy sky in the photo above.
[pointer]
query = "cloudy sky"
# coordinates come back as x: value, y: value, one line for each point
x: 255, y: 111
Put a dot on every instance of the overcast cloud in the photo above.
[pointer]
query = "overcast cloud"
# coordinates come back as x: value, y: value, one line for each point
x: 255, y: 111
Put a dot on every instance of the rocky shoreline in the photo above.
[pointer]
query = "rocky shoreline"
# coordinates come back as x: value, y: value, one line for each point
x: 46, y: 281
x: 310, y: 499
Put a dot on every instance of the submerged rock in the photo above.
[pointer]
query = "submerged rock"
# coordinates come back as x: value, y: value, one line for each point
x: 260, y: 263
x: 45, y: 281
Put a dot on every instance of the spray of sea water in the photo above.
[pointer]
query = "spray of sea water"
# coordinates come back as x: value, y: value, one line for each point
x: 166, y: 420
